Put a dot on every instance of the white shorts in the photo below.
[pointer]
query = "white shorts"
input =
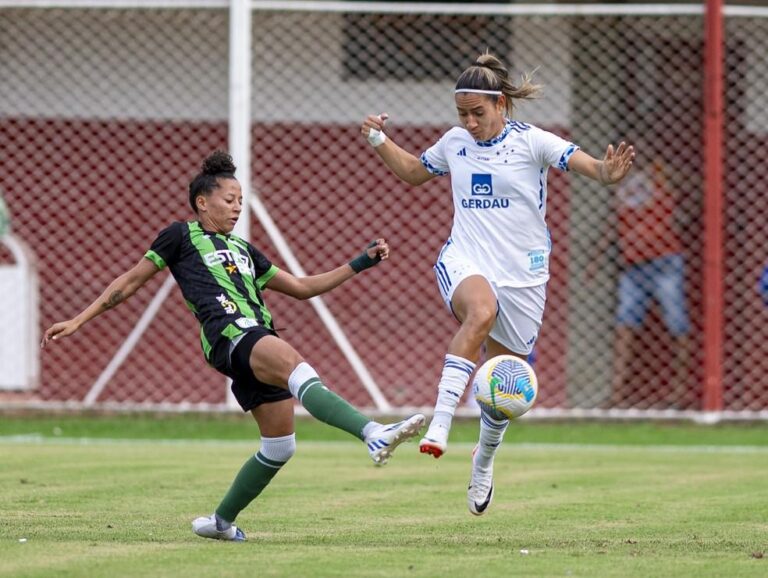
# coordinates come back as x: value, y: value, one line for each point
x: 520, y: 310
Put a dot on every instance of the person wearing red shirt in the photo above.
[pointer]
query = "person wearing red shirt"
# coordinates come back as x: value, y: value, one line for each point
x: 646, y: 232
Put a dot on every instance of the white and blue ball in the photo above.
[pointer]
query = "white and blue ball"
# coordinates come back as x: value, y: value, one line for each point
x: 505, y: 387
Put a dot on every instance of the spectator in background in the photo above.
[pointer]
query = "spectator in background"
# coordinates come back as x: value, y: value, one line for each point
x: 645, y: 227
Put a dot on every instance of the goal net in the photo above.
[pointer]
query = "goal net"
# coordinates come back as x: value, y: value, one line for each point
x: 108, y: 108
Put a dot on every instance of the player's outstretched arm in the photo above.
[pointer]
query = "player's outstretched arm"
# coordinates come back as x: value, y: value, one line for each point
x: 614, y: 166
x: 401, y: 162
x: 117, y: 292
x: 310, y: 286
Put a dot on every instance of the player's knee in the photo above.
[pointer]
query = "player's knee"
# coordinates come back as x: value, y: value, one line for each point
x: 300, y: 375
x: 274, y: 365
x: 480, y: 319
x: 279, y: 449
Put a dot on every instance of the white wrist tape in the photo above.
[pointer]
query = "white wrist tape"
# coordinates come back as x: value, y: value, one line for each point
x: 376, y: 137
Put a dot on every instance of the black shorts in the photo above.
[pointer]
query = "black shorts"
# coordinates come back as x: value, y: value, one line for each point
x: 248, y: 391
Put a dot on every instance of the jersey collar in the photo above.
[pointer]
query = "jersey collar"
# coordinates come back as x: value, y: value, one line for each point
x: 212, y: 233
x: 496, y: 140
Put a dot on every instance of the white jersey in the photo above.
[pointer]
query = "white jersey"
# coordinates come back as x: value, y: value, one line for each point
x: 500, y: 198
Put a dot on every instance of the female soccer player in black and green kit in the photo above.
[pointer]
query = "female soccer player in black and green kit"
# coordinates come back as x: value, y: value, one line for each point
x: 222, y: 278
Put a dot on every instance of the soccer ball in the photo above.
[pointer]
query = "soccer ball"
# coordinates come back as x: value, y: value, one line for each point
x: 505, y: 387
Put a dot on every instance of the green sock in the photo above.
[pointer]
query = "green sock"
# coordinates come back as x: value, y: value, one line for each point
x: 329, y: 408
x: 249, y: 483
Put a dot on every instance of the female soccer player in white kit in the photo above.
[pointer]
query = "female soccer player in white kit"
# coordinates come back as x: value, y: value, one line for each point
x: 492, y: 271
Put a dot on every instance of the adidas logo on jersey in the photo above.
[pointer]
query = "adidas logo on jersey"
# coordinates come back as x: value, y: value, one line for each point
x: 462, y: 152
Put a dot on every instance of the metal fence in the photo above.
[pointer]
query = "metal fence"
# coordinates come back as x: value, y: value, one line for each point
x: 106, y: 113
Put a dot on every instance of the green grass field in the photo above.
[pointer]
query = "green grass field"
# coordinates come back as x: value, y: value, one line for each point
x: 115, y: 496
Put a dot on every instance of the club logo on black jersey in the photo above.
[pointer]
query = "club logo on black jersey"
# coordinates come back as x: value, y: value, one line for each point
x: 229, y: 306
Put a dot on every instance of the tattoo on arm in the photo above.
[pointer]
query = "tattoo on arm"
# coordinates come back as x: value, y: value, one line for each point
x: 114, y: 300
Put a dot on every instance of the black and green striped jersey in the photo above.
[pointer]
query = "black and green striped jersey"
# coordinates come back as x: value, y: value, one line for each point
x: 221, y: 278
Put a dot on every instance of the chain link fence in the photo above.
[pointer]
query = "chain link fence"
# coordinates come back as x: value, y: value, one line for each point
x: 105, y: 115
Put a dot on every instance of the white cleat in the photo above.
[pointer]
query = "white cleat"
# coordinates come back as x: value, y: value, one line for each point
x: 207, y: 528
x: 480, y: 491
x: 383, y: 441
x: 435, y: 441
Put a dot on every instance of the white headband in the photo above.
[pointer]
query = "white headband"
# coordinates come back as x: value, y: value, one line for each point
x: 477, y: 91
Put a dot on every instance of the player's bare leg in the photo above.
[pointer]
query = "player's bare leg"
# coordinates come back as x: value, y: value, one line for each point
x: 474, y: 304
x: 278, y: 444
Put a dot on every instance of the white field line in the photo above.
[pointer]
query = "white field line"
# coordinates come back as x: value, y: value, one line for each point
x: 39, y: 439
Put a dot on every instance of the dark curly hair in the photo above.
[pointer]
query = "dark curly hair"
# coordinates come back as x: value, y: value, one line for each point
x: 217, y: 165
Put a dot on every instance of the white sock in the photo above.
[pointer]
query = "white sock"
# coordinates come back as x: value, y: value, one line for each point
x: 370, y: 427
x: 453, y: 382
x: 279, y: 449
x: 300, y: 375
x: 491, y: 434
x: 222, y: 524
